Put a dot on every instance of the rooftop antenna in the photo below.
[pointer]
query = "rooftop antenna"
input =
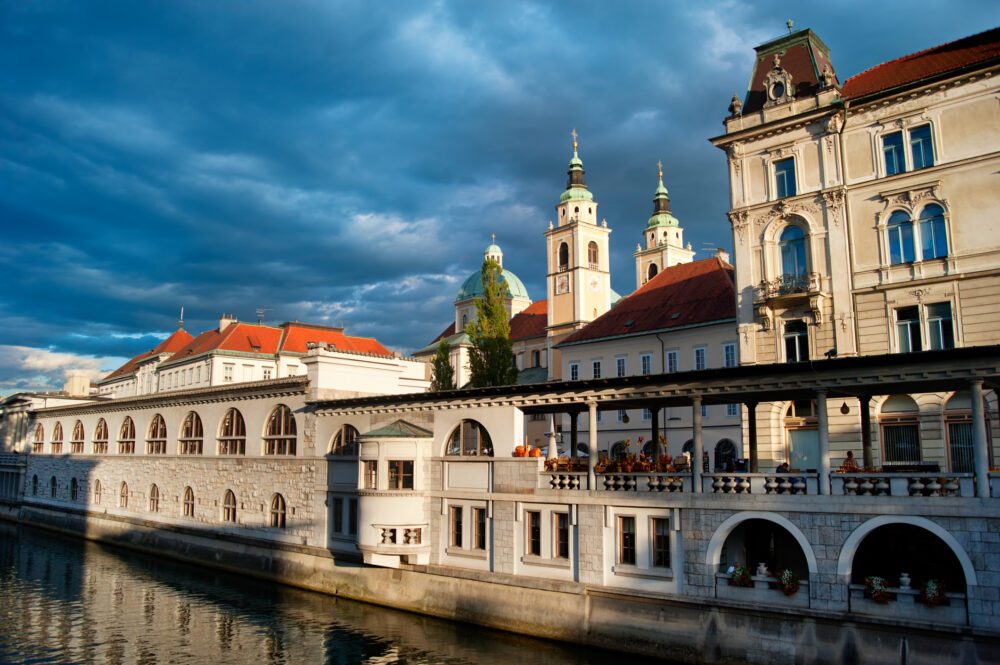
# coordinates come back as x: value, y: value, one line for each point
x: 180, y: 322
x: 260, y: 314
x: 790, y: 25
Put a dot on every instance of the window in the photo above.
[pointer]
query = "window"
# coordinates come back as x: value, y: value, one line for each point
x: 280, y: 434
x: 671, y: 361
x: 38, y: 445
x: 792, y: 247
x: 908, y: 329
x: 900, y: 430
x: 154, y: 499
x: 646, y: 363
x: 729, y: 355
x: 561, y: 544
x: 704, y: 411
x: 725, y: 455
x: 536, y: 359
x: 227, y: 373
x: 267, y: 373
x: 338, y: 515
x: 233, y: 437
x: 188, y: 502
x: 345, y: 441
x: 123, y: 496
x: 940, y: 334
x: 401, y: 474
x: 74, y: 489
x: 57, y: 439
x: 647, y: 414
x: 621, y: 366
x: 600, y: 416
x: 470, y: 438
x: 699, y: 358
x: 622, y: 415
x: 34, y: 485
x: 352, y: 517
x: 796, y: 342
x: 900, y: 230
x: 921, y: 148
x: 192, y: 435
x: 97, y: 492
x: 456, y: 526
x: 626, y: 540
x: 574, y: 371
x: 596, y: 369
x: 732, y: 410
x: 533, y: 524
x: 661, y: 543
x: 593, y: 255
x: 278, y: 512
x: 156, y: 442
x: 784, y: 177
x: 53, y: 487
x: 892, y: 149
x: 933, y: 239
x: 651, y: 271
x: 371, y: 474
x: 563, y: 256
x: 229, y: 507
x: 101, y: 438
x: 479, y: 518
x: 76, y: 443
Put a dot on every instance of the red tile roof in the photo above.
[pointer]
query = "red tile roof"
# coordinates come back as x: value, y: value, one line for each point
x: 297, y: 334
x: 966, y: 52
x: 680, y: 296
x: 531, y: 321
x: 178, y: 340
x: 447, y: 332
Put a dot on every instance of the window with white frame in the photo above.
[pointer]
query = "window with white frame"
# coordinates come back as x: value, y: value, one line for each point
x: 660, y: 555
x: 621, y: 366
x: 479, y: 524
x: 784, y: 178
x: 900, y: 234
x: 596, y: 369
x: 670, y: 362
x: 729, y: 355
x: 732, y: 410
x: 574, y: 371
x: 647, y: 414
x: 622, y: 415
x: 626, y: 540
x: 699, y: 358
x: 940, y: 332
x: 560, y: 536
x: 533, y: 532
x: 796, y: 341
x: 933, y: 236
x: 704, y: 411
x: 646, y: 363
x: 227, y: 373
x: 920, y: 155
x: 908, y: 337
x: 934, y: 319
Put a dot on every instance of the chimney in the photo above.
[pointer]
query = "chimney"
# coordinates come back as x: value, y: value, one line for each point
x: 225, y: 321
x: 722, y: 254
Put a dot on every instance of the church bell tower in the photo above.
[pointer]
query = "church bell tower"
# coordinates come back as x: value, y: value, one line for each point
x: 663, y: 239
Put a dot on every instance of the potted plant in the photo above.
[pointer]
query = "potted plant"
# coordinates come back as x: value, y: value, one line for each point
x: 877, y: 589
x: 788, y: 582
x: 933, y: 593
x: 739, y: 575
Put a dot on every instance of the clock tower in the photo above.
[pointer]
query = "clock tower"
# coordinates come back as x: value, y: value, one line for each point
x: 579, y: 277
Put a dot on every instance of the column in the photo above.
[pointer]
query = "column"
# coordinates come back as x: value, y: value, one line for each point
x: 574, y: 435
x: 823, y: 427
x: 866, y: 431
x: 592, y: 458
x: 980, y: 446
x: 696, y: 453
x: 752, y: 435
x: 553, y: 445
x: 655, y: 433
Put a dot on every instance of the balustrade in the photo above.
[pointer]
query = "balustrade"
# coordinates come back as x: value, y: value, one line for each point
x: 760, y: 483
x: 903, y: 484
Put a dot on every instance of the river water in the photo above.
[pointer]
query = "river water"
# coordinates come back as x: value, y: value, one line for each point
x: 70, y: 601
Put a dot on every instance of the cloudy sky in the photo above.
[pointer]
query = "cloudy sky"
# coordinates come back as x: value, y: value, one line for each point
x: 345, y: 162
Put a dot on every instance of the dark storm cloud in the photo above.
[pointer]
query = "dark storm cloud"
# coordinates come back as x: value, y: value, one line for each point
x: 346, y: 162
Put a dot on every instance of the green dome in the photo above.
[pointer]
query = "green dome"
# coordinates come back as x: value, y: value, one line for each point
x: 473, y: 286
x: 576, y: 194
x: 662, y: 219
x: 493, y: 249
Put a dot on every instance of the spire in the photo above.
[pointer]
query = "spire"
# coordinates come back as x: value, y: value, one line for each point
x: 661, y: 198
x: 180, y: 322
x: 576, y: 188
x: 493, y: 250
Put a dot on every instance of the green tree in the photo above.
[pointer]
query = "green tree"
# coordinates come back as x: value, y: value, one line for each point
x: 491, y: 358
x: 443, y: 374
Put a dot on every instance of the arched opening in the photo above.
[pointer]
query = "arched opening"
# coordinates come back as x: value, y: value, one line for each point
x: 933, y: 238
x: 53, y: 487
x: 38, y: 444
x: 619, y: 450
x: 899, y: 425
x: 760, y: 541
x: 126, y: 437
x: 76, y: 443
x: 192, y: 435
x: 900, y: 230
x: 470, y: 438
x: 792, y: 247
x: 651, y: 272
x: 278, y: 512
x: 345, y: 441
x: 801, y: 436
x: 725, y: 455
x: 57, y: 439
x: 74, y: 489
x: 101, y: 437
x: 233, y: 434
x: 229, y: 507
x: 890, y: 550
x: 563, y: 256
x: 97, y: 492
x: 593, y: 255
x: 154, y: 499
x: 156, y: 441
x: 123, y: 496
x: 34, y: 485
x: 279, y: 436
x: 188, y: 502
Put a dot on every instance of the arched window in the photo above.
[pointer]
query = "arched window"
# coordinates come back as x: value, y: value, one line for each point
x: 792, y: 245
x: 899, y: 423
x: 76, y: 443
x: 97, y: 492
x: 900, y: 230
x: 958, y: 423
x: 229, y: 507
x: 154, y: 499
x: 123, y: 496
x: 651, y: 272
x: 470, y: 438
x: 192, y: 435
x: 279, y: 438
x: 156, y: 441
x: 563, y: 256
x: 57, y: 439
x: 233, y: 434
x: 126, y: 437
x: 278, y: 512
x: 188, y: 502
x: 38, y: 445
x: 34, y: 485
x: 101, y: 437
x: 725, y: 455
x: 593, y: 255
x: 74, y: 489
x: 53, y: 487
x: 933, y: 239
x: 345, y: 441
x: 618, y: 450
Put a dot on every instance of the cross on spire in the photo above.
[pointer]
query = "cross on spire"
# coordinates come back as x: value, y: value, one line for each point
x: 493, y: 238
x: 659, y: 168
x: 574, y: 135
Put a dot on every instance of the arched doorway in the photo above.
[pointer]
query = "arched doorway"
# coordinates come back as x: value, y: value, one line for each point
x: 757, y: 540
x: 725, y: 455
x: 892, y: 549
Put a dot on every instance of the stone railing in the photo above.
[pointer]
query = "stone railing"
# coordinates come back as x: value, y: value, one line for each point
x: 644, y: 482
x: 786, y: 285
x: 905, y: 605
x: 563, y: 480
x: 400, y: 535
x: 760, y: 483
x: 903, y: 484
x: 763, y: 591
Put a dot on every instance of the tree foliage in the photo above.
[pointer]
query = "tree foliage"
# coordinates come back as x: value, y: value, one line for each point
x: 491, y: 358
x: 443, y: 374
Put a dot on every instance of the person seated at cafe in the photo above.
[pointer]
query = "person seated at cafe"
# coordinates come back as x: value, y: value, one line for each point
x: 850, y: 464
x: 782, y: 468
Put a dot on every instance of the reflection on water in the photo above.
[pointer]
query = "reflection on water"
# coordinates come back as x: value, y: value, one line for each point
x: 70, y: 601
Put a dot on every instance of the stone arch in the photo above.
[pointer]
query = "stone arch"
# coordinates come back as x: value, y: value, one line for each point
x: 850, y: 547
x: 714, y: 554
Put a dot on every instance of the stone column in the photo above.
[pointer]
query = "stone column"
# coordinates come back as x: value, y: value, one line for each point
x: 574, y: 434
x: 696, y: 453
x: 592, y: 457
x: 553, y: 445
x: 980, y: 446
x: 752, y: 435
x: 823, y: 429
x: 655, y: 433
x: 866, y: 431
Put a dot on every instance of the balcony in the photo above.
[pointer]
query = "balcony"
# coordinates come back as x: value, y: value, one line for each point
x: 787, y: 286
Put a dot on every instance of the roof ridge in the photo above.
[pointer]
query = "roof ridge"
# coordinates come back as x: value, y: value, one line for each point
x: 919, y: 53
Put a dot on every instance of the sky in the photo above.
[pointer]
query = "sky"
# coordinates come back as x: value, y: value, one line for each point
x: 345, y: 162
